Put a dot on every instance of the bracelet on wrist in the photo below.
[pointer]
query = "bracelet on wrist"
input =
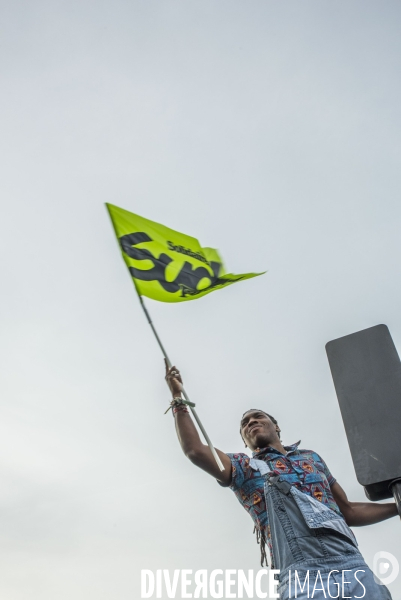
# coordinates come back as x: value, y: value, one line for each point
x: 180, y: 408
x: 179, y: 403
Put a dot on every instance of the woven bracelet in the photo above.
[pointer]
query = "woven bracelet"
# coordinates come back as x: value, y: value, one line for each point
x: 178, y: 403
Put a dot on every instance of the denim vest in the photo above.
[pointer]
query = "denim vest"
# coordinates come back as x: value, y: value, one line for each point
x: 303, y: 531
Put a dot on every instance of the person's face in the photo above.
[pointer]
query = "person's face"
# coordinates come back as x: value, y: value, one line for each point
x: 257, y: 430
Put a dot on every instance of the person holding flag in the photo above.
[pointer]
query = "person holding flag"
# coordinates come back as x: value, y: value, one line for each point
x: 300, y: 511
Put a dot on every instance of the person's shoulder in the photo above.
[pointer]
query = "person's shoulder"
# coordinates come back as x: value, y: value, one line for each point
x: 239, y: 460
x: 314, y: 457
x: 307, y: 451
x: 240, y: 469
x: 312, y: 454
x: 238, y: 455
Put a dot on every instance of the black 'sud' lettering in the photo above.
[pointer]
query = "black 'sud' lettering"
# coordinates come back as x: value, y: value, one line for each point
x: 186, y: 280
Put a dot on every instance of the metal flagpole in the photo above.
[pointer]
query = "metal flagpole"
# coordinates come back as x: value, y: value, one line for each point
x: 190, y: 404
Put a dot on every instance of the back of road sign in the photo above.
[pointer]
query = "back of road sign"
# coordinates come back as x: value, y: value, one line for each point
x: 366, y: 371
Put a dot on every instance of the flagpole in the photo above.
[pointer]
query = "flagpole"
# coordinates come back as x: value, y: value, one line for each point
x: 192, y: 408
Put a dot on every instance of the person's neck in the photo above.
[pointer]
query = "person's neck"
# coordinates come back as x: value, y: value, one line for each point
x: 277, y: 445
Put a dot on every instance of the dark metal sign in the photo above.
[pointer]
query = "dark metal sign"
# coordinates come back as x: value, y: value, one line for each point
x: 366, y: 371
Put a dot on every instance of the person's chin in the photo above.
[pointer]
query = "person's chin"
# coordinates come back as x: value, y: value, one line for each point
x: 259, y: 441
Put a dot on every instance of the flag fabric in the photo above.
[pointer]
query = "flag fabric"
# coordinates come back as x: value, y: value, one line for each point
x: 167, y: 265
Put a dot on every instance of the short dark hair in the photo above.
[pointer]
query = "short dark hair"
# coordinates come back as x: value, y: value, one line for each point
x: 265, y: 413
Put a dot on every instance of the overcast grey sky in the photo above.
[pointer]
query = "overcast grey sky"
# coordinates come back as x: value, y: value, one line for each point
x: 270, y: 130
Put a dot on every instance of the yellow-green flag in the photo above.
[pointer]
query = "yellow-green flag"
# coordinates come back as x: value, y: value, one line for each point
x: 167, y: 265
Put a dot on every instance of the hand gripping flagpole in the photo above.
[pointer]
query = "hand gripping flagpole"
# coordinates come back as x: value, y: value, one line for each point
x: 190, y: 404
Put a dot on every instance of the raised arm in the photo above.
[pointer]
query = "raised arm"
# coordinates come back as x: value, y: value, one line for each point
x: 357, y: 514
x: 197, y: 452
